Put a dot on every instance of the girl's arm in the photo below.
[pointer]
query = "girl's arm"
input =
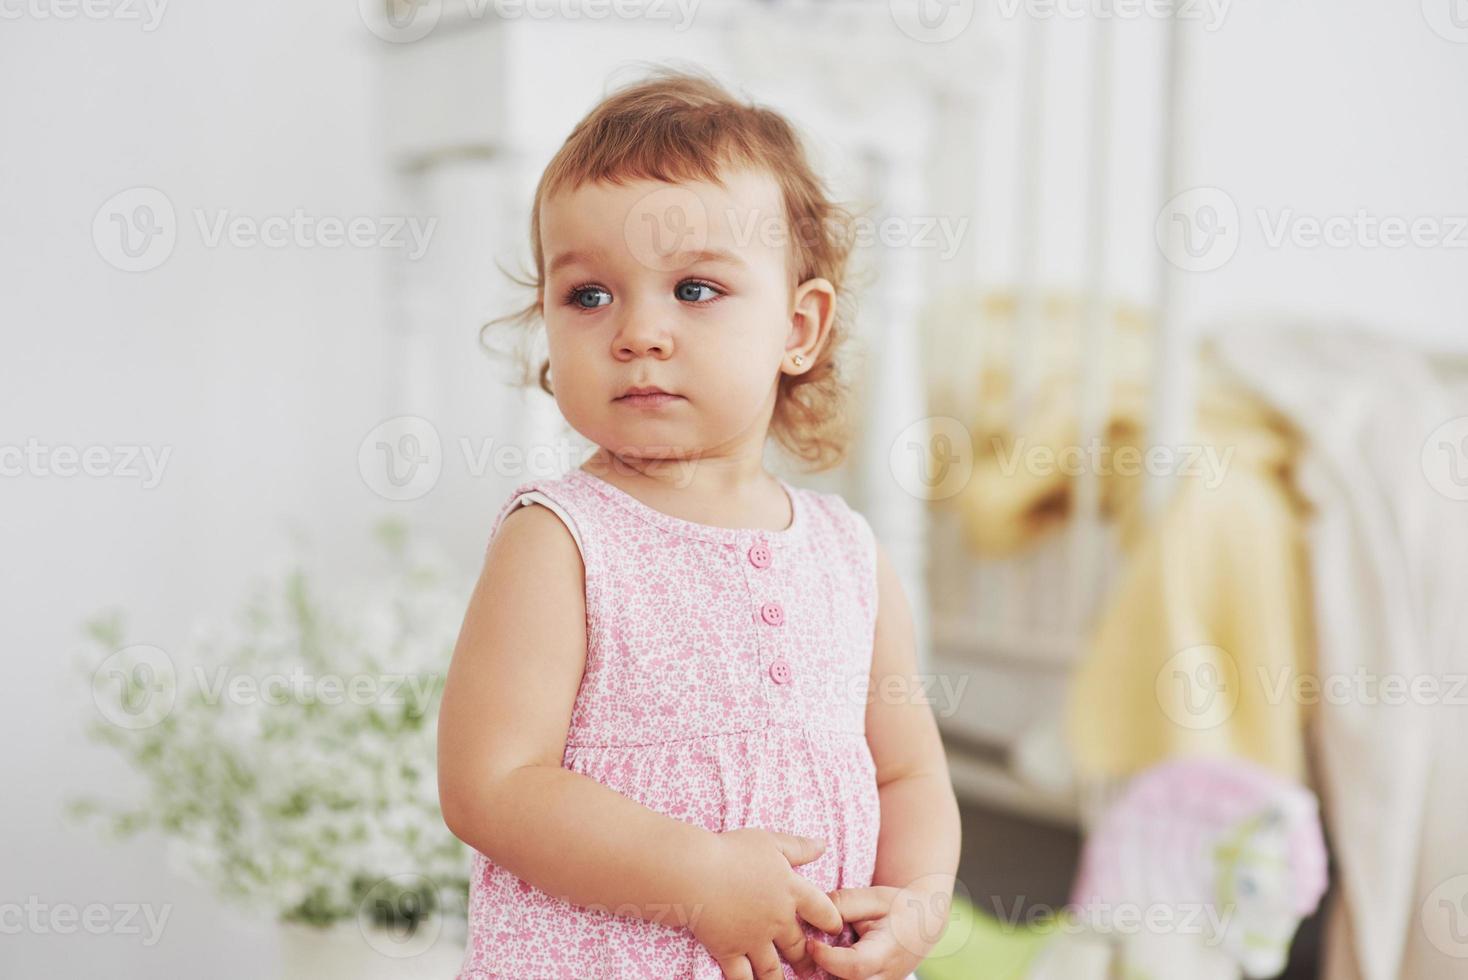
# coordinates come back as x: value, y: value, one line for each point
x: 502, y: 733
x: 918, y: 846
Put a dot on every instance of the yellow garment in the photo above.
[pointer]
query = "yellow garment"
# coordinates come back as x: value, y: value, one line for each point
x: 1204, y: 637
x: 1213, y: 595
x: 1004, y: 507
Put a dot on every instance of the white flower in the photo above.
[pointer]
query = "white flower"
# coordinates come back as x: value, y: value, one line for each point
x: 278, y: 803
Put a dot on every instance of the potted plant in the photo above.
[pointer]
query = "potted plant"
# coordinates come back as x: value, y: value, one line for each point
x: 287, y: 754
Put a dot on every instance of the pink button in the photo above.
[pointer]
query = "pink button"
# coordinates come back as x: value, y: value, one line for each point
x: 771, y: 613
x: 759, y: 555
x: 780, y: 672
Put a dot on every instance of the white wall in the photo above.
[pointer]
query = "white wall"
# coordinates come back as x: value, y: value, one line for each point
x: 1329, y: 110
x: 259, y: 369
x: 1326, y: 109
x: 1310, y: 110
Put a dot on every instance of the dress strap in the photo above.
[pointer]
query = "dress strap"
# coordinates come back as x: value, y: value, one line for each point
x: 557, y: 495
x: 860, y: 532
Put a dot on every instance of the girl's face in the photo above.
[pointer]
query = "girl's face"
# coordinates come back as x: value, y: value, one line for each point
x: 683, y: 287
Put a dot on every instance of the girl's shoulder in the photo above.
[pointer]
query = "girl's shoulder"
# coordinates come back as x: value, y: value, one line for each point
x: 564, y: 495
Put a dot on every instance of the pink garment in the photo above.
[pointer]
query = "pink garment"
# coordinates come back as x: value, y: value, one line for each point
x: 725, y: 686
x: 1156, y: 843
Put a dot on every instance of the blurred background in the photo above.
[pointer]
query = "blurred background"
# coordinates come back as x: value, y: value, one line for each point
x: 1161, y: 376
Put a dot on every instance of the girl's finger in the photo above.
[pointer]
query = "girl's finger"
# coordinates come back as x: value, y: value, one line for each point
x: 850, y: 962
x: 844, y: 962
x: 816, y: 907
x: 736, y: 968
x: 791, y: 945
x: 863, y: 903
x: 798, y: 850
x: 765, y: 963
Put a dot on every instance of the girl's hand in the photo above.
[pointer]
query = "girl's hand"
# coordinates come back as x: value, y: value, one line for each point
x: 748, y: 916
x: 896, y: 927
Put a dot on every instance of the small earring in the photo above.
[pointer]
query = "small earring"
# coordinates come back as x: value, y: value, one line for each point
x: 798, y: 359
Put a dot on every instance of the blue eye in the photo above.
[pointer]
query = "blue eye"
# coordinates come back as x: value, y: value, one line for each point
x: 688, y: 291
x: 586, y: 297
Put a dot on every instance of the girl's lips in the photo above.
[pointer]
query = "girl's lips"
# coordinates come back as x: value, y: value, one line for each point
x: 652, y: 400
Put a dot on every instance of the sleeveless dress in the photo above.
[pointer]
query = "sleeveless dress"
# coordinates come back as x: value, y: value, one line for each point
x: 725, y: 686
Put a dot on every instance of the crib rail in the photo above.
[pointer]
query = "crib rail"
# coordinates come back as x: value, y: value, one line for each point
x: 1019, y: 624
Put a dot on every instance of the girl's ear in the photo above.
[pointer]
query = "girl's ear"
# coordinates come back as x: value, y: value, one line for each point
x: 812, y: 311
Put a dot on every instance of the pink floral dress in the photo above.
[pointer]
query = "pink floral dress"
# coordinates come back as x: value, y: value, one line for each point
x: 725, y: 685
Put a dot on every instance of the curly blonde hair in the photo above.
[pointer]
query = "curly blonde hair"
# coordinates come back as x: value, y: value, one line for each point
x: 679, y: 125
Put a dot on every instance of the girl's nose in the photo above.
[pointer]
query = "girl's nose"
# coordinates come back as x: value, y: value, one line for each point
x: 642, y: 336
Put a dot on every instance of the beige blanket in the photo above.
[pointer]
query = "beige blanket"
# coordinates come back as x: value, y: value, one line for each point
x: 1386, y: 469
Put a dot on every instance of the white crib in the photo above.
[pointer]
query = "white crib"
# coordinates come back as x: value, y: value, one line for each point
x: 1014, y: 628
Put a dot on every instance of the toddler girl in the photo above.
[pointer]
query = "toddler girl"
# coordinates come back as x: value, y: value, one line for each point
x: 683, y: 701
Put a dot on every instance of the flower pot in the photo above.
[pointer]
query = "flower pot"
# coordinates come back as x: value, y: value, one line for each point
x: 348, y: 951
